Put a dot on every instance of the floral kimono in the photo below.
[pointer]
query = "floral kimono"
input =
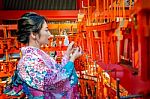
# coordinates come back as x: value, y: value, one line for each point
x: 40, y: 77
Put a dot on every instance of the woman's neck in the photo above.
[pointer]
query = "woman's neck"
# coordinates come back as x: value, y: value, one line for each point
x: 34, y: 44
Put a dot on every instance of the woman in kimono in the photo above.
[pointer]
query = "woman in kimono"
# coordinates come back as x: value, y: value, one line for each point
x: 38, y: 75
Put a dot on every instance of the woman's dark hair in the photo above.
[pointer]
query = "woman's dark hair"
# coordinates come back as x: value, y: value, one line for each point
x: 29, y: 22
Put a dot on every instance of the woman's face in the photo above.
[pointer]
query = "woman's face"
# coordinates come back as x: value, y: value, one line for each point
x: 44, y: 34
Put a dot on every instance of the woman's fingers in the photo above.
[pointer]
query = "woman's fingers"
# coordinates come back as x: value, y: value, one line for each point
x: 70, y: 48
x: 81, y: 50
x: 71, y: 44
x: 77, y: 50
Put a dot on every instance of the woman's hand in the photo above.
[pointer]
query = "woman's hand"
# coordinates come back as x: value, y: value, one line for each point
x: 77, y: 53
x: 70, y: 49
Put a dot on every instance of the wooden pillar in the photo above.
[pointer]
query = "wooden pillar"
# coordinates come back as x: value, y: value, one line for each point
x: 143, y: 19
x: 91, y: 45
x: 1, y: 4
x: 1, y: 7
x: 134, y: 48
x: 142, y: 10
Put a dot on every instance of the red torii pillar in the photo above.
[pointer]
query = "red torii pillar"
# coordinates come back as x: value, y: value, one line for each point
x: 142, y: 9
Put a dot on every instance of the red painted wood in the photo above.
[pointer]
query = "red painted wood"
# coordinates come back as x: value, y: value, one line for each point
x: 49, y: 14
